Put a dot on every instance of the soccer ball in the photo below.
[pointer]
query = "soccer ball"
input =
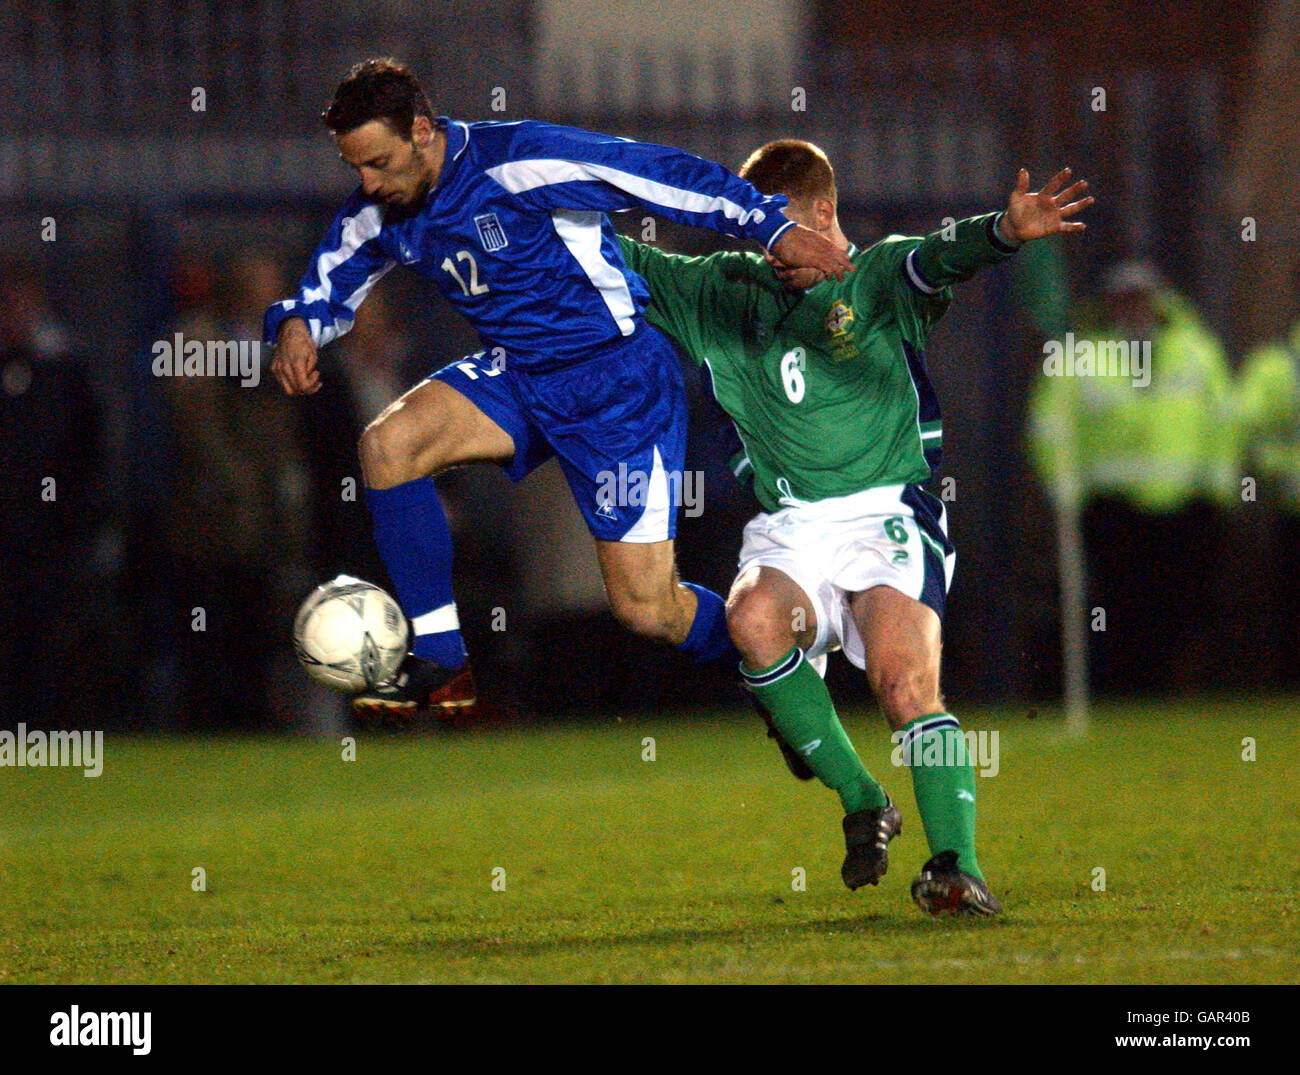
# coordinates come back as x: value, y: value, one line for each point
x: 350, y: 635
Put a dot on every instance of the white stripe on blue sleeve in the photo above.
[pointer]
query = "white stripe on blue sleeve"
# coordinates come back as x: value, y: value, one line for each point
x: 357, y: 231
x: 524, y: 175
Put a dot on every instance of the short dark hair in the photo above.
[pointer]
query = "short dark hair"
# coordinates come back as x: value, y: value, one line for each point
x: 381, y: 88
x: 797, y: 169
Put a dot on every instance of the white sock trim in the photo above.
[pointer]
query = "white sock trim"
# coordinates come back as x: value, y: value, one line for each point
x: 437, y: 622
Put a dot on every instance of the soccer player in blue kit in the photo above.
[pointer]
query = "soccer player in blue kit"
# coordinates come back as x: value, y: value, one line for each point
x: 508, y: 219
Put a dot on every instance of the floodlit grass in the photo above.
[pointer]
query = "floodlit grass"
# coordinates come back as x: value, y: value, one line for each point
x: 679, y: 869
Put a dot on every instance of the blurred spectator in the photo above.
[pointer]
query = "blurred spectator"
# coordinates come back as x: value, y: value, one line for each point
x: 1148, y: 454
x: 1269, y: 403
x: 1159, y: 445
x: 238, y: 519
x: 52, y: 506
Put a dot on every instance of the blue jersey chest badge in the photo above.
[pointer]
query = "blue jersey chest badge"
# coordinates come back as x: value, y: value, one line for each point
x: 490, y: 232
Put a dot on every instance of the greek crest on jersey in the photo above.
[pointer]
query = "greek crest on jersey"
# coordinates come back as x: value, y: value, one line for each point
x: 490, y: 232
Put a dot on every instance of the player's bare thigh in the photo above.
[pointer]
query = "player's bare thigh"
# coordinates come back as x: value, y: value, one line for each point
x: 767, y: 613
x: 428, y: 430
x: 903, y: 642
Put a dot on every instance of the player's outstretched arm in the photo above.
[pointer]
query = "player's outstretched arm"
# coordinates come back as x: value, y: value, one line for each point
x: 1038, y: 214
x: 294, y: 361
x: 554, y: 167
x: 956, y: 253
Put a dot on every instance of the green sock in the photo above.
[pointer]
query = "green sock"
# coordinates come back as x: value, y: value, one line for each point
x: 801, y: 709
x: 944, y: 782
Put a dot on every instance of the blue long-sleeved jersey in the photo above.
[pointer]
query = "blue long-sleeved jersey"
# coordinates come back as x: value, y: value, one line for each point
x: 515, y: 235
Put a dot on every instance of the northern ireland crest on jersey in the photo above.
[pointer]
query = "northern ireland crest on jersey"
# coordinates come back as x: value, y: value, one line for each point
x: 840, y: 319
x: 490, y: 232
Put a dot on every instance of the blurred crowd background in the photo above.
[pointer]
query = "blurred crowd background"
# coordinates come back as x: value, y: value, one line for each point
x: 163, y: 169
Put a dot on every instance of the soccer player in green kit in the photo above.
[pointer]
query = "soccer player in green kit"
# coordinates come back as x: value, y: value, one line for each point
x: 826, y: 384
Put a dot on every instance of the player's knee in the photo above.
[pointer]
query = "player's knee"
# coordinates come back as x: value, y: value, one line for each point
x: 393, y: 451
x: 757, y: 627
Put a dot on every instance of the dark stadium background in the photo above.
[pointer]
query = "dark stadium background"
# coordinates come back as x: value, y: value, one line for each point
x: 163, y: 217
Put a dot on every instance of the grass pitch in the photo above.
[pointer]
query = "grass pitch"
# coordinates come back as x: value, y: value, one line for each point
x: 680, y: 869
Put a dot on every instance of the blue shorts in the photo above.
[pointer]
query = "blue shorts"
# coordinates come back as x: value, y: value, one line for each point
x: 616, y: 422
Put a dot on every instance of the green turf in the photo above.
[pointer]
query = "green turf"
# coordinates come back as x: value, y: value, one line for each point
x: 672, y: 870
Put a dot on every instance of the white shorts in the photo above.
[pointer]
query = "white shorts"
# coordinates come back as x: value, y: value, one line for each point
x: 894, y: 535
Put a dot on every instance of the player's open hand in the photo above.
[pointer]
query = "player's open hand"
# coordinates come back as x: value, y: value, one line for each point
x: 1036, y: 214
x: 294, y: 361
x: 803, y: 248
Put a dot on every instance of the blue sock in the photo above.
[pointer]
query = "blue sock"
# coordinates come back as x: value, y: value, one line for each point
x: 414, y: 540
x: 709, y: 639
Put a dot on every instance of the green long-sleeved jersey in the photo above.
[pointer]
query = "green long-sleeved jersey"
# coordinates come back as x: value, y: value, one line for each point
x: 827, y: 388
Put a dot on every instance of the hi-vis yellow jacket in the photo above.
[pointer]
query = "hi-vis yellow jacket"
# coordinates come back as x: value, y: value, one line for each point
x: 1159, y: 434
